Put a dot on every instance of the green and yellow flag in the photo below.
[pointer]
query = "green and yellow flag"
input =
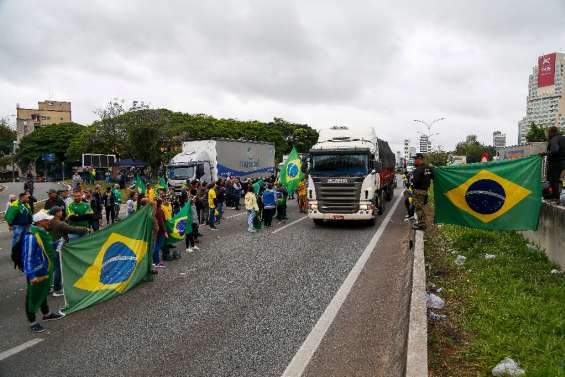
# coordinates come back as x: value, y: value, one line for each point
x: 504, y: 195
x: 162, y: 184
x: 107, y: 263
x: 140, y: 185
x: 291, y: 172
x: 179, y: 225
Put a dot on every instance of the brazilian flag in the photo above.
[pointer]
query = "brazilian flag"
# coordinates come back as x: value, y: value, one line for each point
x: 180, y: 225
x: 504, y: 195
x: 291, y: 172
x: 161, y: 185
x: 140, y: 185
x: 107, y: 263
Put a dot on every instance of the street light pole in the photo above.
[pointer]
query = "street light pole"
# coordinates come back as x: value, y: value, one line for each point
x: 14, y: 145
x: 429, y: 126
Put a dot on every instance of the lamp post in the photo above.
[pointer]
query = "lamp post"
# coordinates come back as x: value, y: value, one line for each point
x: 14, y: 146
x: 429, y: 126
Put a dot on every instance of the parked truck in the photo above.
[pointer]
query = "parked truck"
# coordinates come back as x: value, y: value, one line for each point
x: 208, y: 160
x: 351, y: 175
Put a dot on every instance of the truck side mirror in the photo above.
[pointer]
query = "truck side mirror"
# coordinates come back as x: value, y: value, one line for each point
x: 199, y: 171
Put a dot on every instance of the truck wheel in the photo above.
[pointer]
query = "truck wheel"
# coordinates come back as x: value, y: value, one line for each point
x: 318, y: 222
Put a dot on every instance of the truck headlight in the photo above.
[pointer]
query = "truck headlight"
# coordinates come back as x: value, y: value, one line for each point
x: 363, y: 207
x: 314, y: 207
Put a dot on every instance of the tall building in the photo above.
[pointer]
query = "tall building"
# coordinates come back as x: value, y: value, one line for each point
x: 498, y: 139
x: 425, y: 144
x: 406, y: 148
x: 412, y: 152
x: 47, y: 113
x: 546, y: 100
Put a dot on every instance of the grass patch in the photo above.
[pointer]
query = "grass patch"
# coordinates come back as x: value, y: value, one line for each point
x: 509, y: 306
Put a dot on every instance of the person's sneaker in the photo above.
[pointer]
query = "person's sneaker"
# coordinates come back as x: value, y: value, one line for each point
x: 160, y: 265
x: 195, y: 248
x: 214, y: 228
x: 58, y: 293
x: 53, y: 316
x: 37, y: 328
x: 251, y: 230
x: 189, y: 250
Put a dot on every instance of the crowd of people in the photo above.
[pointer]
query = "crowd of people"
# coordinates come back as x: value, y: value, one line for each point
x: 38, y: 238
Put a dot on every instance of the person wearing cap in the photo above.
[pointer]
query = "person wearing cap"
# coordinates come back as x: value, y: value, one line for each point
x: 37, y: 258
x: 60, y: 231
x: 19, y: 217
x: 12, y: 198
x: 421, y: 180
x: 53, y: 200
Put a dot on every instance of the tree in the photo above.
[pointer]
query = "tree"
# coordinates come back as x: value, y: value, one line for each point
x: 437, y: 158
x: 536, y: 133
x: 473, y: 150
x: 45, y: 140
x: 7, y: 137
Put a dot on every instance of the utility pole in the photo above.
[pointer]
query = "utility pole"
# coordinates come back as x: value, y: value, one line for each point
x: 429, y: 126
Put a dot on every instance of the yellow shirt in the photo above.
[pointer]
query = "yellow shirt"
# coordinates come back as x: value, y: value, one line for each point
x: 167, y: 210
x: 211, y: 197
x: 151, y: 195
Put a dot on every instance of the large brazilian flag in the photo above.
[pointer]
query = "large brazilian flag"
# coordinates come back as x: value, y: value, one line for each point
x: 291, y: 172
x: 503, y: 195
x: 107, y: 263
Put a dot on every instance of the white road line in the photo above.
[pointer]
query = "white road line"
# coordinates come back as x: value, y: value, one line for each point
x: 290, y: 224
x: 236, y: 215
x: 20, y: 348
x: 302, y: 358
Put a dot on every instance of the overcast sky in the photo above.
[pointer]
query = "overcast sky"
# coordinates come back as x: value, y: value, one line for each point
x: 359, y: 63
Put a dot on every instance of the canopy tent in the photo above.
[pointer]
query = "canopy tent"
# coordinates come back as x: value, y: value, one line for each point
x: 131, y: 163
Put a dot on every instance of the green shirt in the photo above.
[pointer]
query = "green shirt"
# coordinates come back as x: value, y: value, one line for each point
x: 117, y: 195
x: 18, y: 213
x: 78, y: 209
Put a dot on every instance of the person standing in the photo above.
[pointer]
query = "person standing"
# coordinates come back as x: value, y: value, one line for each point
x: 77, y: 180
x: 19, y: 217
x: 212, y: 205
x: 79, y: 214
x: 131, y: 204
x: 221, y: 197
x: 555, y: 160
x: 53, y: 200
x: 97, y: 203
x: 161, y: 234
x: 422, y: 178
x: 281, y: 196
x: 269, y: 205
x: 59, y: 231
x: 12, y: 198
x: 109, y: 205
x: 237, y: 194
x: 37, y: 258
x: 192, y: 231
x: 251, y: 207
x: 117, y: 200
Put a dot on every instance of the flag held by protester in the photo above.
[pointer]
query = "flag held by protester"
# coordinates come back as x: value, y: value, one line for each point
x: 107, y: 263
x: 179, y: 225
x: 502, y: 195
x: 140, y: 185
x: 291, y: 172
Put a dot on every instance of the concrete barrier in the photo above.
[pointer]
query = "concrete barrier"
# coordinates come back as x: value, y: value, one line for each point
x: 550, y: 235
x: 417, y: 345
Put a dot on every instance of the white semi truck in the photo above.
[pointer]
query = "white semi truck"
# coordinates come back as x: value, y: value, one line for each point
x: 208, y: 160
x: 351, y: 175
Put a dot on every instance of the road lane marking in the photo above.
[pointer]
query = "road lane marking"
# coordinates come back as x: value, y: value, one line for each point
x: 236, y: 215
x: 290, y: 224
x: 20, y: 348
x: 302, y: 358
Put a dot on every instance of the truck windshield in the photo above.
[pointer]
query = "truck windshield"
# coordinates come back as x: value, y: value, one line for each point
x: 335, y: 165
x: 180, y: 172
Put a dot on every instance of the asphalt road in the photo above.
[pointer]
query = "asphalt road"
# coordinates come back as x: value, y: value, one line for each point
x: 40, y: 191
x: 242, y: 306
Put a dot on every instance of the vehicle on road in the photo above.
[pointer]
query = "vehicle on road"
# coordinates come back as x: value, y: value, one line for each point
x: 208, y: 160
x: 351, y: 175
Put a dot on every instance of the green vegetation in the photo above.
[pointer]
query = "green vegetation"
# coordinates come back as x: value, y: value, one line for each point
x: 473, y: 150
x: 7, y: 137
x: 437, y: 158
x: 509, y: 306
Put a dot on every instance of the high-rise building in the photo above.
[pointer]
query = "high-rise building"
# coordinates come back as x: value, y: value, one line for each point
x: 425, y: 144
x: 546, y: 100
x: 498, y: 139
x: 406, y: 148
x: 412, y: 152
x: 47, y: 113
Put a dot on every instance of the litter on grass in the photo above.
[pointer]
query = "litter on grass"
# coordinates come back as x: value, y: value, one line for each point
x: 439, y: 290
x: 556, y: 272
x: 507, y: 368
x: 489, y: 256
x: 434, y: 301
x: 436, y: 317
x: 460, y: 260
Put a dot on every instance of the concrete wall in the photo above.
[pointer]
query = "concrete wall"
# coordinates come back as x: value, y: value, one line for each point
x: 550, y: 235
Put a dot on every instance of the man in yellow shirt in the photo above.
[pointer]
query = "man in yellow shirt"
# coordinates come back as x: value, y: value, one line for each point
x: 212, y: 204
x: 167, y: 209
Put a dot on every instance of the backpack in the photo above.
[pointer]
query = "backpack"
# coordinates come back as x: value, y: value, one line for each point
x: 17, y: 251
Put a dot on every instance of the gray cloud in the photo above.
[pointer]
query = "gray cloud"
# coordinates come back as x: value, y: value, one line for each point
x: 361, y: 63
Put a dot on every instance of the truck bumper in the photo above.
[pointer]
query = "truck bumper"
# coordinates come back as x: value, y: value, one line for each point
x: 360, y: 215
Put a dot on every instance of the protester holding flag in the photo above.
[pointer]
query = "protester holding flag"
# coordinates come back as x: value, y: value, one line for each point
x: 19, y: 217
x: 422, y: 178
x: 37, y: 257
x: 79, y: 213
x: 291, y: 172
x: 161, y: 236
x: 269, y: 205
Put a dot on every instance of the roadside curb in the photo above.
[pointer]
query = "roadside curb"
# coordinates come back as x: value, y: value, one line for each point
x: 417, y: 344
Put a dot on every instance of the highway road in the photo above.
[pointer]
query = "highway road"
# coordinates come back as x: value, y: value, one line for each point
x: 40, y: 191
x: 295, y: 299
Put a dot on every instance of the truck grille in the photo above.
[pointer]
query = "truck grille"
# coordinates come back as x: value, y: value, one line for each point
x: 338, y: 195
